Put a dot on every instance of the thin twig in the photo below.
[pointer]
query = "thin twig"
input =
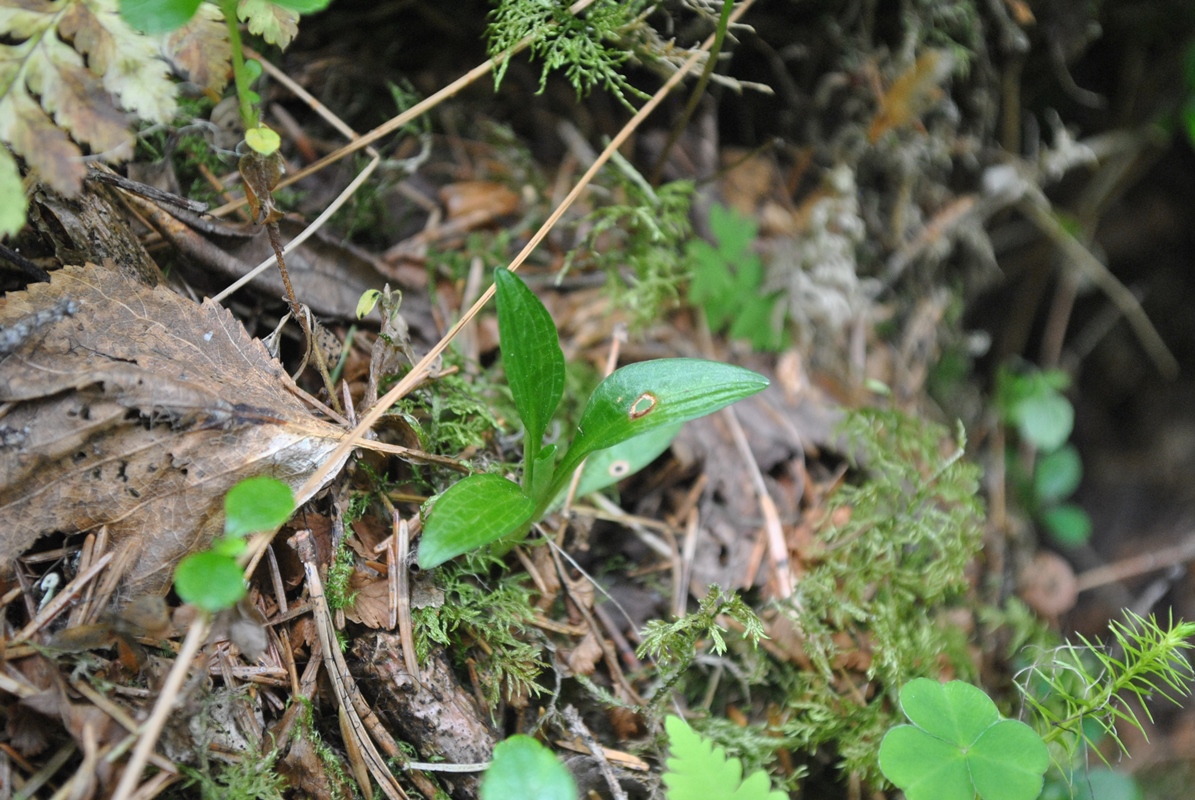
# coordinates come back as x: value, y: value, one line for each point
x: 338, y: 671
x: 152, y: 730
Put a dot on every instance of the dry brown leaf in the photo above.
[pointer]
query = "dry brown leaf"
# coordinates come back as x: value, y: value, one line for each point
x: 200, y: 49
x: 585, y: 656
x: 137, y: 409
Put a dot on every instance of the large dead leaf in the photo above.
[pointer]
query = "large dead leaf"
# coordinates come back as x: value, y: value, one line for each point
x: 135, y: 408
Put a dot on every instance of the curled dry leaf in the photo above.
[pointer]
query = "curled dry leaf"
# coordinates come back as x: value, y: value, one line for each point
x: 135, y: 408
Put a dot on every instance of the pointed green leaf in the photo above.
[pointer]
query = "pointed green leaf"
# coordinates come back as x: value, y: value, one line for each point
x: 651, y: 394
x: 525, y: 769
x: 531, y: 355
x: 475, y: 512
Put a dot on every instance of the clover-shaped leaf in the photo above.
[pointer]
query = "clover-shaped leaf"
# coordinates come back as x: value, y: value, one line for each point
x: 958, y: 747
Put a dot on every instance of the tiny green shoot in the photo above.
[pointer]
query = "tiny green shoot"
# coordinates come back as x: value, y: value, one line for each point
x: 212, y: 579
x: 635, y: 400
x: 958, y: 746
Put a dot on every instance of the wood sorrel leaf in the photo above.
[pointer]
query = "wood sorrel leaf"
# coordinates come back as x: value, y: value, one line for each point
x: 475, y: 512
x: 531, y: 356
x: 257, y: 504
x: 958, y: 747
x: 641, y: 397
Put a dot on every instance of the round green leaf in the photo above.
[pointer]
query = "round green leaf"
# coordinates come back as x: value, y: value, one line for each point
x: 525, y: 769
x: 474, y: 512
x: 959, y: 746
x: 158, y: 16
x: 1057, y: 474
x: 956, y: 712
x: 257, y: 504
x: 210, y: 581
x: 1068, y: 524
x: 1008, y: 761
x: 263, y: 140
x: 1045, y: 419
x: 924, y: 766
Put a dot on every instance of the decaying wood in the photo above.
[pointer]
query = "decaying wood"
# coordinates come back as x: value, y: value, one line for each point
x: 438, y: 712
x: 135, y: 408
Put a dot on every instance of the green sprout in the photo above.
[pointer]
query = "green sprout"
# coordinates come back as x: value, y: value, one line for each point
x: 635, y: 400
x: 212, y: 579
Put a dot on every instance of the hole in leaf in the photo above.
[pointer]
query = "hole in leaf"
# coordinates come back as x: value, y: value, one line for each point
x: 643, y: 405
x: 619, y: 469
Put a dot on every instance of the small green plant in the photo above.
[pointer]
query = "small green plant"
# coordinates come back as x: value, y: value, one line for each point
x: 673, y: 645
x: 1032, y: 402
x: 212, y: 579
x: 958, y: 747
x: 524, y: 768
x: 636, y: 399
x: 728, y: 282
x: 1081, y: 692
x: 698, y: 769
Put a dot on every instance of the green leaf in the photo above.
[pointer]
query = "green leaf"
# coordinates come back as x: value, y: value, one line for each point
x: 475, y: 512
x: 1045, y: 419
x: 270, y: 21
x: 158, y: 16
x: 607, y: 467
x: 303, y: 6
x: 531, y: 355
x: 263, y: 140
x: 368, y: 300
x: 14, y: 207
x: 1057, y: 474
x: 925, y: 767
x: 542, y: 471
x: 257, y: 504
x: 1007, y: 762
x: 700, y: 770
x: 524, y: 768
x: 958, y: 746
x: 210, y: 581
x: 651, y: 394
x: 1068, y: 524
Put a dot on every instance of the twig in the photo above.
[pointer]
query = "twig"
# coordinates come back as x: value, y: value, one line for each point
x: 307, y: 233
x: 196, y: 636
x: 338, y: 671
x: 777, y: 546
x: 1038, y: 212
x: 1138, y: 565
x: 578, y: 729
